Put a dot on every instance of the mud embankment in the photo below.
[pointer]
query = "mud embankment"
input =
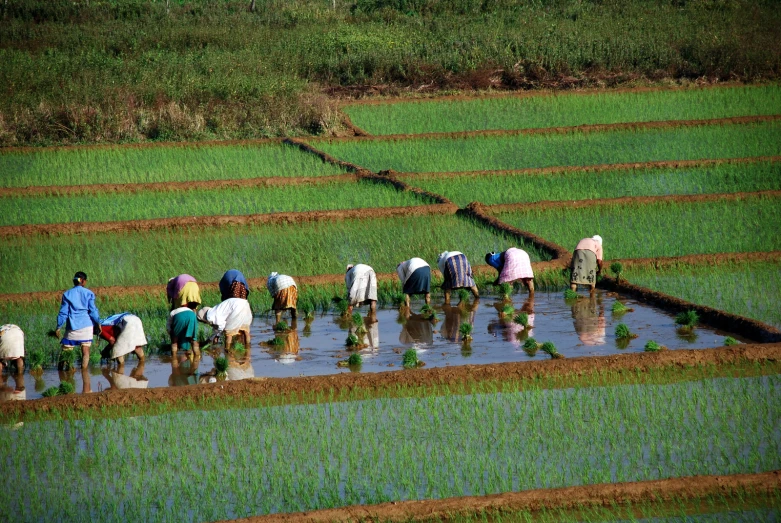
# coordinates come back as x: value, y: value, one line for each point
x: 598, y: 168
x: 385, y: 383
x: 708, y: 260
x: 141, y: 145
x: 590, y: 128
x: 567, y: 498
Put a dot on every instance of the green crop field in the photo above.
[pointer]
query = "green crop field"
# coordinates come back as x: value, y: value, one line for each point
x: 560, y: 110
x: 157, y: 164
x: 747, y: 289
x: 37, y: 263
x: 515, y: 188
x: 20, y: 210
x: 321, y: 455
x: 660, y: 228
x: 550, y: 150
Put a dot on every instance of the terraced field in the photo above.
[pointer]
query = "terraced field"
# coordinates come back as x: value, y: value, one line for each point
x: 683, y: 186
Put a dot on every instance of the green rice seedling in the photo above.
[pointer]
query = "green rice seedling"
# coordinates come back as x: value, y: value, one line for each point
x: 357, y: 319
x: 729, y: 340
x: 95, y: 357
x: 352, y: 341
x: 569, y: 294
x: 623, y: 332
x: 505, y: 291
x: 341, y: 306
x: 465, y: 329
x: 463, y: 295
x: 428, y: 312
x: 360, y: 330
x: 522, y: 319
x: 35, y: 359
x: 507, y: 311
x: 410, y: 359
x: 550, y: 349
x: 238, y: 348
x: 616, y: 269
x: 687, y: 319
x: 281, y: 326
x: 652, y: 346
x: 51, y: 391
x: 620, y: 308
x: 66, y: 387
x: 276, y: 341
x: 308, y: 312
x: 67, y: 359
x: 221, y: 365
x: 399, y: 299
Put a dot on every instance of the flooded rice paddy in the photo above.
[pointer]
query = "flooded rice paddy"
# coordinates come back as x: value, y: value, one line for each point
x: 585, y: 327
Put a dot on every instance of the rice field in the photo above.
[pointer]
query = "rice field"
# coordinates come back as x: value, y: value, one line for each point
x: 145, y: 205
x: 660, y: 228
x: 83, y: 166
x: 747, y: 289
x: 517, y: 188
x: 388, y: 449
x: 563, y: 110
x: 38, y: 263
x: 459, y: 154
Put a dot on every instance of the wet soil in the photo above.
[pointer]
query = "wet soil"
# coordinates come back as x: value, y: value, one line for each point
x: 190, y: 222
x: 631, y: 200
x: 535, y: 500
x: 664, y: 164
x: 579, y: 328
x: 141, y: 145
x: 589, y: 128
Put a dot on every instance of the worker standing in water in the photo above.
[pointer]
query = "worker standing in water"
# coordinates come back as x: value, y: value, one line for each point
x: 79, y: 315
x: 183, y: 290
x: 457, y: 273
x: 230, y: 318
x: 233, y: 285
x: 12, y: 348
x: 513, y: 265
x: 361, y: 284
x: 285, y: 293
x: 586, y: 263
x: 415, y: 277
x: 124, y: 333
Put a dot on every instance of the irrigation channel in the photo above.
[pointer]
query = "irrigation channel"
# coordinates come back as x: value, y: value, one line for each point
x: 582, y: 327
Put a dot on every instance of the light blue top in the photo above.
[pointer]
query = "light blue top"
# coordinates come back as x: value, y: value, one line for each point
x: 78, y: 309
x: 113, y: 320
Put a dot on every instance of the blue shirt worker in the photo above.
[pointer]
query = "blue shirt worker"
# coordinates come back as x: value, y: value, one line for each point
x: 79, y: 315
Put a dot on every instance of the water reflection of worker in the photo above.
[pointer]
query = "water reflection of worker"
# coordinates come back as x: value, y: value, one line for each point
x: 12, y: 393
x: 240, y: 366
x: 117, y: 379
x: 288, y: 352
x: 455, y: 316
x: 457, y: 273
x: 511, y: 331
x: 415, y: 277
x: 589, y: 318
x: 184, y: 370
x: 513, y: 265
x: 586, y: 263
x: 416, y: 329
x: 371, y: 336
x: 12, y: 349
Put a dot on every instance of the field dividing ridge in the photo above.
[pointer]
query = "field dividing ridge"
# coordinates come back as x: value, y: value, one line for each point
x: 574, y: 498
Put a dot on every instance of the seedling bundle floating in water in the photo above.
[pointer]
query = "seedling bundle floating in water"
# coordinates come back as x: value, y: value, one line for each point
x: 410, y: 359
x: 687, y: 320
x: 281, y: 326
x: 427, y: 312
x: 505, y: 291
x: 569, y: 294
x: 352, y: 341
x: 652, y: 346
x: 550, y: 349
x: 508, y: 311
x: 522, y: 319
x: 35, y: 360
x: 623, y: 332
x: 616, y: 269
x: 530, y: 346
x: 221, y: 365
x: 620, y: 308
x: 729, y: 340
x: 354, y: 360
x: 466, y: 331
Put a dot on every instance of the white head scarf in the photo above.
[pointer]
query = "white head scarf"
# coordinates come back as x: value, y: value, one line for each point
x: 597, y: 238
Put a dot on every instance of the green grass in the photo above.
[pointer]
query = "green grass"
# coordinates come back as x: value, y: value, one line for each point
x: 498, y: 189
x: 552, y: 150
x: 157, y: 164
x: 485, y: 444
x: 201, y: 202
x: 137, y: 258
x: 660, y: 228
x: 750, y: 289
x: 564, y: 110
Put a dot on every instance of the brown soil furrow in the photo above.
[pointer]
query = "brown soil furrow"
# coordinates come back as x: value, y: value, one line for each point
x: 357, y: 131
x: 389, y: 177
x: 124, y: 188
x: 140, y: 145
x: 673, y: 164
x: 565, y: 498
x: 630, y: 200
x: 390, y: 382
x: 477, y: 210
x: 325, y: 156
x: 701, y: 259
x: 666, y: 124
x: 530, y: 94
x: 751, y: 329
x: 201, y: 222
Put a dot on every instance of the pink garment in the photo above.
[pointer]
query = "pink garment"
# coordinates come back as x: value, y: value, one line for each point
x: 175, y: 285
x: 590, y: 244
x: 516, y: 265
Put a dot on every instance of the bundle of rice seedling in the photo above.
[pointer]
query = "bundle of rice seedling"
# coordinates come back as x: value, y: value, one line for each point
x: 687, y: 320
x: 466, y: 331
x: 221, y: 365
x: 410, y: 359
x: 522, y: 319
x: 550, y: 349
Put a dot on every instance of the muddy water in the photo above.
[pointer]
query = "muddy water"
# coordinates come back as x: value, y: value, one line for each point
x: 581, y: 328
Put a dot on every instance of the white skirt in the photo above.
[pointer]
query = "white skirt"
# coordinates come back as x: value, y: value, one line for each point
x: 11, y: 342
x: 131, y: 335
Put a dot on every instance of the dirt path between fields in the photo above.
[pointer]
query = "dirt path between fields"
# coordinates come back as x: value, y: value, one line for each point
x: 700, y: 259
x: 389, y: 382
x: 628, y: 200
x: 591, y: 128
x: 599, y: 168
x: 141, y: 145
x: 600, y: 495
x: 202, y: 222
